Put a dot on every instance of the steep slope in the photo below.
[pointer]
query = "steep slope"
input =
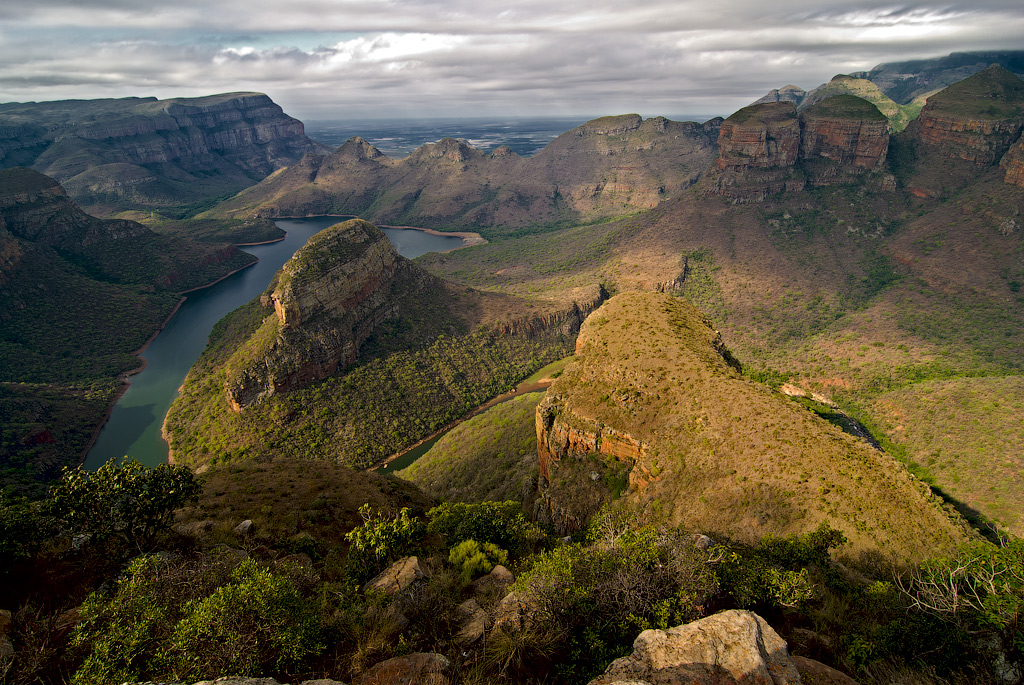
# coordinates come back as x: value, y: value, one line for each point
x: 149, y: 153
x: 603, y: 168
x: 81, y: 296
x: 653, y: 409
x: 962, y: 130
x: 354, y: 353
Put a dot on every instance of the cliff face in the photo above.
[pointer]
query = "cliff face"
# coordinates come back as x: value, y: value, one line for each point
x: 653, y: 412
x: 594, y: 170
x: 328, y: 299
x: 1013, y: 164
x: 768, y: 148
x: 143, y: 152
x: 975, y: 120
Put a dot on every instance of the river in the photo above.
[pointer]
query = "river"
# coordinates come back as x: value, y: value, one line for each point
x: 133, y: 428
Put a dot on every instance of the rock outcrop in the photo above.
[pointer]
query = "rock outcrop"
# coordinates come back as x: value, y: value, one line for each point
x: 975, y: 120
x: 731, y: 647
x: 594, y: 170
x: 328, y: 299
x: 768, y: 148
x: 653, y: 411
x: 144, y: 152
x: 1013, y: 164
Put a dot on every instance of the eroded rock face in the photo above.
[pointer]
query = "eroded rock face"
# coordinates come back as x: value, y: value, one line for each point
x: 419, y: 668
x: 731, y: 647
x: 975, y: 120
x: 1013, y: 164
x: 845, y: 130
x: 149, y: 152
x: 760, y: 136
x: 328, y: 299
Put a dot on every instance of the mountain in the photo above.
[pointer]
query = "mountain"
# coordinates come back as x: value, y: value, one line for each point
x: 144, y: 153
x: 654, y: 412
x: 81, y: 296
x: 907, y: 81
x: 603, y: 168
x: 354, y: 353
x: 898, y: 115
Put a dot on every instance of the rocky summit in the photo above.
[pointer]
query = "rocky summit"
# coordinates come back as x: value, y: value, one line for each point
x: 328, y: 299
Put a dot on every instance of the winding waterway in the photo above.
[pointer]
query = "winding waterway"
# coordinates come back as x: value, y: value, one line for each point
x: 133, y: 428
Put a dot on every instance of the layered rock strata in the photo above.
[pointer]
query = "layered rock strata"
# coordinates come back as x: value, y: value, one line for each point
x: 654, y: 412
x: 767, y: 148
x: 328, y: 299
x: 144, y: 152
x: 1013, y: 164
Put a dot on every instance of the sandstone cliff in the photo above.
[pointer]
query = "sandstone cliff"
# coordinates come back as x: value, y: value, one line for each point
x: 652, y: 410
x: 1013, y: 163
x: 602, y: 168
x: 144, y: 152
x: 768, y: 148
x: 328, y: 299
x: 975, y: 120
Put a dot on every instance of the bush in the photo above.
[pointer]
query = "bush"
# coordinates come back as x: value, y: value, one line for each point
x: 474, y: 559
x: 129, y: 503
x: 380, y: 540
x: 499, y: 523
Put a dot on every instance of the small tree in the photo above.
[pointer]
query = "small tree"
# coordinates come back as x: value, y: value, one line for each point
x: 381, y: 539
x: 127, y: 502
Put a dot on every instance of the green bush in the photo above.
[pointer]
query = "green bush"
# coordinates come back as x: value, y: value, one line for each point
x: 499, y: 523
x: 475, y: 559
x: 129, y: 503
x: 380, y: 540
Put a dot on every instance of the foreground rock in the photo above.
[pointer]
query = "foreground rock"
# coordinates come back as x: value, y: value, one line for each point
x: 400, y: 576
x: 420, y: 668
x: 730, y: 647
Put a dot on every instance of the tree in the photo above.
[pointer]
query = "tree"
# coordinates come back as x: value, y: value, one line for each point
x: 127, y: 502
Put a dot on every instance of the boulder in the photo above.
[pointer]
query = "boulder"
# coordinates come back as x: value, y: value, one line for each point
x: 497, y: 581
x: 399, y: 576
x: 731, y: 647
x: 420, y: 668
x: 474, y: 622
x: 246, y: 527
x: 816, y: 673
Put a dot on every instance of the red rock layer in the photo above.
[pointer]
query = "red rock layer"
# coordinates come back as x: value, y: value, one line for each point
x: 856, y: 142
x: 760, y: 136
x: 1013, y: 163
x: 982, y: 141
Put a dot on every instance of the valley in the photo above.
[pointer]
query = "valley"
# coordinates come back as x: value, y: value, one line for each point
x: 782, y: 362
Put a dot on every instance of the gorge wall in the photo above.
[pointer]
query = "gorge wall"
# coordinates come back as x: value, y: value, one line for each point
x: 144, y: 152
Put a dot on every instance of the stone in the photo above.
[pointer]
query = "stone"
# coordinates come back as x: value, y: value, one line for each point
x: 731, y: 647
x: 497, y: 580
x: 193, y: 528
x: 5, y: 621
x: 511, y: 612
x: 816, y: 673
x: 400, y: 576
x: 246, y: 527
x: 474, y: 622
x: 420, y: 668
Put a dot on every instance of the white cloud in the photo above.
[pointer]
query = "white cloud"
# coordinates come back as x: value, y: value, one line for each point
x: 436, y: 57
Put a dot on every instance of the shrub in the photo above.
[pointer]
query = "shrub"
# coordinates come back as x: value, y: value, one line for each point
x: 500, y: 523
x: 129, y: 503
x: 380, y: 540
x: 475, y: 559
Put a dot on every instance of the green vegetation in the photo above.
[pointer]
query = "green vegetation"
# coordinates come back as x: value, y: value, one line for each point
x: 492, y: 456
x: 845, y: 106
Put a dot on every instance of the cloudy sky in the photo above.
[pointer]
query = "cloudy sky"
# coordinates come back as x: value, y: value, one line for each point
x: 332, y: 59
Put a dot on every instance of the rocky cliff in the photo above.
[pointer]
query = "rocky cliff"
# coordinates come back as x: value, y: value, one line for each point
x: 601, y: 168
x: 768, y: 148
x: 653, y: 411
x: 144, y: 152
x: 328, y: 299
x: 975, y: 120
x: 1013, y: 163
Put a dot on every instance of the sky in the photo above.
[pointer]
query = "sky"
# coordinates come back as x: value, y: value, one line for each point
x: 341, y: 59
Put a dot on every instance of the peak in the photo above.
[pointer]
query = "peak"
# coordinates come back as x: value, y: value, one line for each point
x: 358, y: 148
x: 992, y: 93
